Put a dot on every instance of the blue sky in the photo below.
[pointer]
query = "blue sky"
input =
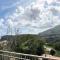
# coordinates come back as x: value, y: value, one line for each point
x: 6, y: 6
x: 28, y: 16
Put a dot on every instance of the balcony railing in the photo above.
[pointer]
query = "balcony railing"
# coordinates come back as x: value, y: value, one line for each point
x: 6, y: 55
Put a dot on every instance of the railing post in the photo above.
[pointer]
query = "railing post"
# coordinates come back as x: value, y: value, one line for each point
x: 25, y: 57
x: 40, y: 58
x: 2, y: 57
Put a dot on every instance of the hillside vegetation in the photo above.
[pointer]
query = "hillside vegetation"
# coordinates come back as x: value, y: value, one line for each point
x: 30, y: 44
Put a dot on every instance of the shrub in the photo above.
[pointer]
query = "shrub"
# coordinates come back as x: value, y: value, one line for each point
x: 52, y: 52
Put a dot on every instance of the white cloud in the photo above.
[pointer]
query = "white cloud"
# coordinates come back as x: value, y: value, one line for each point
x: 1, y: 23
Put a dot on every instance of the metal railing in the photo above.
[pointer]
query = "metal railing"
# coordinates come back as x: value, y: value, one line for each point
x: 6, y: 55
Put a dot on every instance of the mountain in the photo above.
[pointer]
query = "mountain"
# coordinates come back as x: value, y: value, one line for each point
x: 52, y: 35
x: 13, y: 37
x: 53, y: 31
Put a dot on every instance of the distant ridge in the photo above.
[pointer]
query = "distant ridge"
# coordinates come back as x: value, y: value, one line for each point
x: 13, y: 37
x: 53, y: 31
x: 48, y: 33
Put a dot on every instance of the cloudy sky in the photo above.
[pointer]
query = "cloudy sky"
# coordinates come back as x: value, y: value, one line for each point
x: 28, y: 16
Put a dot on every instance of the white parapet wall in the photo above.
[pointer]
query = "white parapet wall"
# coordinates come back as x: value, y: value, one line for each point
x: 6, y: 55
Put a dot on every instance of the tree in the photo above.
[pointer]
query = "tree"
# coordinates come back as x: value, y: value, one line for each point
x: 30, y: 44
x: 57, y: 46
x: 52, y: 52
x: 40, y: 50
x: 1, y: 47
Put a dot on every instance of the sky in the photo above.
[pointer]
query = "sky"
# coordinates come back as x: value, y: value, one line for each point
x: 28, y: 16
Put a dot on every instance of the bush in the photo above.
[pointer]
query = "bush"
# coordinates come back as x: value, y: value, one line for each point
x: 52, y: 52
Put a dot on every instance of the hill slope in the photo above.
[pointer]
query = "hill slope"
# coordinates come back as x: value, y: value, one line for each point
x: 53, y: 31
